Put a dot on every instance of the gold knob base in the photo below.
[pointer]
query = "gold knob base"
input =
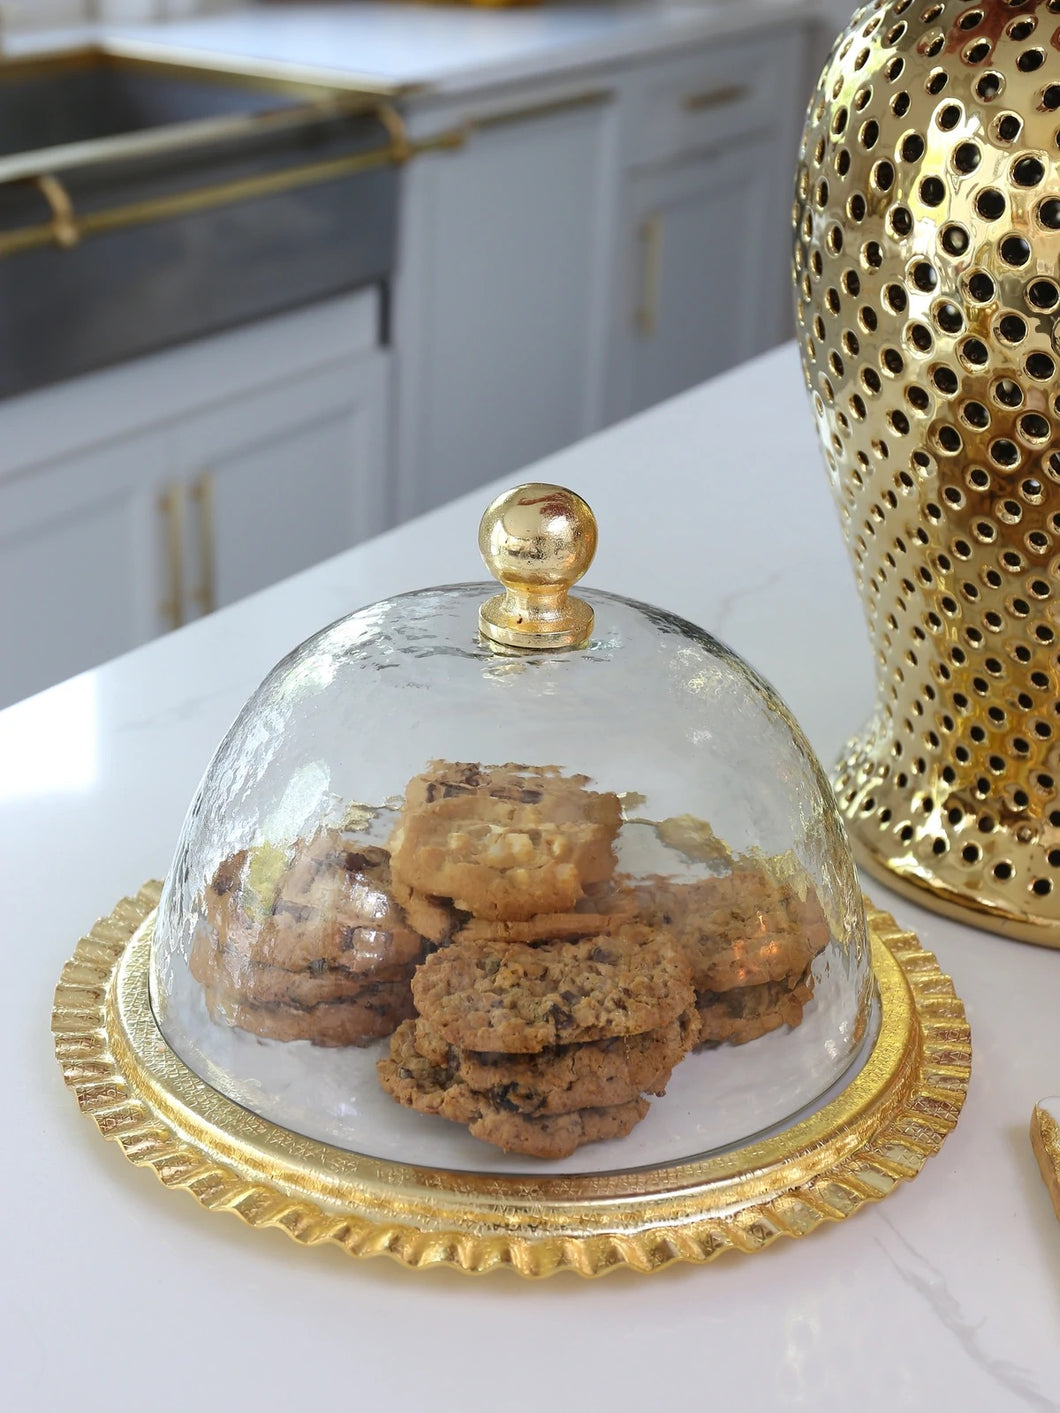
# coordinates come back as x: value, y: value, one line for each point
x: 503, y: 619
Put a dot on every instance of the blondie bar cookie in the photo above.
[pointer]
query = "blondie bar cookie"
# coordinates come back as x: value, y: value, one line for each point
x: 504, y: 843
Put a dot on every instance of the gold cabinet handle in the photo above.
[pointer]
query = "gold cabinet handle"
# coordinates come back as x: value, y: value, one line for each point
x: 64, y: 228
x: 713, y: 97
x: 205, y: 592
x: 171, y: 506
x: 650, y: 275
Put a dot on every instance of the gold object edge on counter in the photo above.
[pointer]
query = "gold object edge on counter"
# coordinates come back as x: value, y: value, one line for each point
x: 1045, y: 1140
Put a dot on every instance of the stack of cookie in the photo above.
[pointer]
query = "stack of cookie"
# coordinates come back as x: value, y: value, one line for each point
x: 542, y: 1047
x: 311, y: 947
x: 530, y: 991
x: 749, y: 939
x: 546, y: 1017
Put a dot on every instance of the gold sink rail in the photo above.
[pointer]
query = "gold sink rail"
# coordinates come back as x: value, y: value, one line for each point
x: 180, y: 136
x: 67, y: 228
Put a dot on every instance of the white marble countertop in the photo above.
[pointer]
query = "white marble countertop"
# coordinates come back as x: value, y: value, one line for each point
x: 445, y: 49
x: 119, y: 1295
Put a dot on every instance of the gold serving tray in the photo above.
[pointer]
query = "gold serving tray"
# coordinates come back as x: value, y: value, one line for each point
x: 879, y: 1131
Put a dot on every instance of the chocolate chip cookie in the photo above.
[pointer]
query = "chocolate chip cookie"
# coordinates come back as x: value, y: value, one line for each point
x: 228, y: 971
x: 416, y: 1083
x: 307, y: 946
x: 747, y: 1012
x: 559, y: 1136
x: 330, y: 906
x: 564, y: 1078
x: 743, y: 928
x: 376, y: 1011
x: 520, y: 999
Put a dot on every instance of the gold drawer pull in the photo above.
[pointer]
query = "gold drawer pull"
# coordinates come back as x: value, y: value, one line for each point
x: 713, y: 98
x: 650, y: 275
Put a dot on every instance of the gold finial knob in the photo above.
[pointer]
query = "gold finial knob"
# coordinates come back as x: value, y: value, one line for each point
x: 538, y: 540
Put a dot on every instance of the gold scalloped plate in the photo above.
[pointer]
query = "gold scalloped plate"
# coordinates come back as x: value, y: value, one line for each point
x: 879, y: 1131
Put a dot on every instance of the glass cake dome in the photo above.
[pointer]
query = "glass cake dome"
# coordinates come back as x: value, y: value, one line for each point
x: 533, y: 881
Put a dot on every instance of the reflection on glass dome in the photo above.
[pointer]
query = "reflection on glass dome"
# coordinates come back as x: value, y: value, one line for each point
x: 441, y: 905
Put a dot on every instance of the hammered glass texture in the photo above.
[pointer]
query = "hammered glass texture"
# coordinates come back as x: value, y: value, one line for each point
x: 652, y: 705
x: 927, y: 295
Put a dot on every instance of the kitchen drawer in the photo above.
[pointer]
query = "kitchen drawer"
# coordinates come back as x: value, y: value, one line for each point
x: 687, y: 104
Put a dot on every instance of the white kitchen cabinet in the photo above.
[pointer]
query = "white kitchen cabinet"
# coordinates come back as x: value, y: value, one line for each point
x: 280, y: 479
x: 702, y: 274
x: 78, y: 563
x: 587, y: 249
x: 501, y: 289
x: 697, y: 240
x: 165, y: 488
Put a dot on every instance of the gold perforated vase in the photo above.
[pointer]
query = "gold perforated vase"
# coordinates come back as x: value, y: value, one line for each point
x: 927, y: 296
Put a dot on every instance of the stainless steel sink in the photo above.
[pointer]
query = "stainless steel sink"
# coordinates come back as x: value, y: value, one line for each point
x: 86, y: 97
x: 146, y: 201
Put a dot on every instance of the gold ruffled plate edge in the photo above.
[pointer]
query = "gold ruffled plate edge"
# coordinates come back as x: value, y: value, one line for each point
x: 879, y: 1131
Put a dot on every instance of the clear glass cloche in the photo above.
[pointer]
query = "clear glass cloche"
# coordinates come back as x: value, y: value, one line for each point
x: 533, y: 880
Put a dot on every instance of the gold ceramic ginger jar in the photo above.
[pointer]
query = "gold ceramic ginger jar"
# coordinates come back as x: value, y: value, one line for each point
x: 927, y: 297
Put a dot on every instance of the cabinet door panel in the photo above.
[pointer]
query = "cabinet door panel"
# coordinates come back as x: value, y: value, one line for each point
x: 80, y: 580
x: 282, y: 479
x: 499, y: 306
x: 700, y: 257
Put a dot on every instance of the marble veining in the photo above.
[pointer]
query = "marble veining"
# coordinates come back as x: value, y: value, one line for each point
x: 929, y: 1284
